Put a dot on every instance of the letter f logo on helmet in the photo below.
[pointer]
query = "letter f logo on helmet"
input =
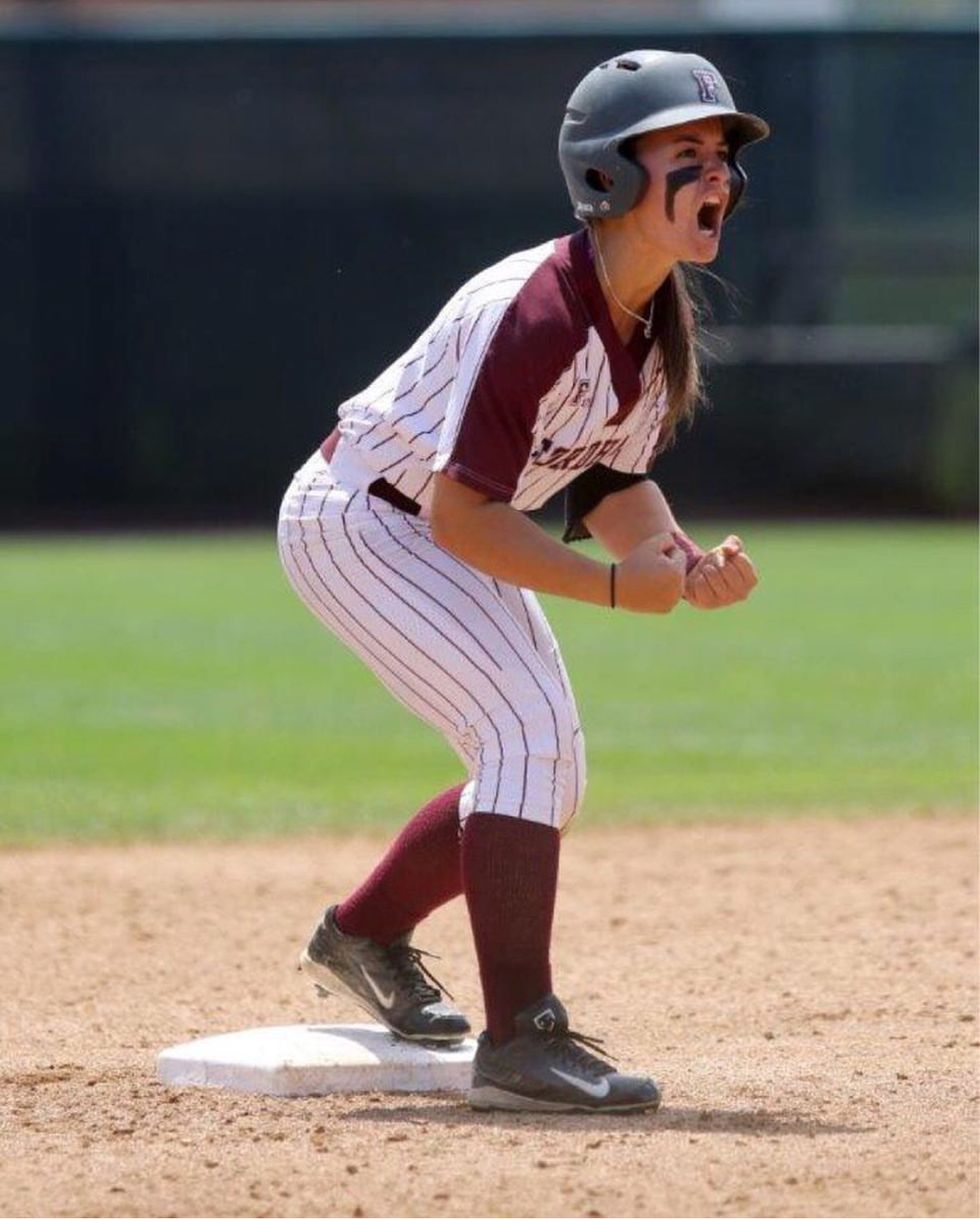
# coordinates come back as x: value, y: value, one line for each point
x: 707, y: 84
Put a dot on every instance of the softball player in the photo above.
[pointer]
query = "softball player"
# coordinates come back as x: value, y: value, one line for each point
x: 561, y: 368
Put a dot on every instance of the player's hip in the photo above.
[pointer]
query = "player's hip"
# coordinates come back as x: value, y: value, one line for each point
x: 343, y: 482
x: 358, y: 555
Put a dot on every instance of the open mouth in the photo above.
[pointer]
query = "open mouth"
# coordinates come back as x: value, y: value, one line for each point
x: 710, y: 215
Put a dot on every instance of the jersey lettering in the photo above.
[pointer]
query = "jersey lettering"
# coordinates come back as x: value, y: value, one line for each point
x: 602, y: 451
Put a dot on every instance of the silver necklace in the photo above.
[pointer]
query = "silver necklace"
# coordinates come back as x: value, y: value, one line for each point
x: 648, y: 320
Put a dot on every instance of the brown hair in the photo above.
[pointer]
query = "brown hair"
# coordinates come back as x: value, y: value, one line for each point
x: 677, y: 312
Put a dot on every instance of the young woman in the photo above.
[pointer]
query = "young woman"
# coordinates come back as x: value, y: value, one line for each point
x: 565, y: 367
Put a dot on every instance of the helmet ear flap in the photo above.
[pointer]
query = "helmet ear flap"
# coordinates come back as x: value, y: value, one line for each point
x: 738, y: 180
x: 631, y: 178
x: 609, y: 183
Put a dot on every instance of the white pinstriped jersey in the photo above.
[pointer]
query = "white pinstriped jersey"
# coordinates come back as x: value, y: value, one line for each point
x: 518, y: 385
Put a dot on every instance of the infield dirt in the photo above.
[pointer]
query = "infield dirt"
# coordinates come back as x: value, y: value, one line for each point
x: 804, y: 991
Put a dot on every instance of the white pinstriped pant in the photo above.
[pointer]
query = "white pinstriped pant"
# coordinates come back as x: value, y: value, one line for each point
x: 471, y: 656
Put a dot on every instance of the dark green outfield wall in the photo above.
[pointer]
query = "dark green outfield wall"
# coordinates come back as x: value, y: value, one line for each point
x: 205, y: 244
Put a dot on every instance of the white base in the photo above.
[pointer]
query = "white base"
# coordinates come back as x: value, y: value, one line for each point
x: 314, y: 1059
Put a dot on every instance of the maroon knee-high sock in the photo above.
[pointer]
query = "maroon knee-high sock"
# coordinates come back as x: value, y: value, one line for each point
x: 510, y: 877
x: 420, y: 872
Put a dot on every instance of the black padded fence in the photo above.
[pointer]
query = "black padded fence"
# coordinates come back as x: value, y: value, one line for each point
x: 207, y: 243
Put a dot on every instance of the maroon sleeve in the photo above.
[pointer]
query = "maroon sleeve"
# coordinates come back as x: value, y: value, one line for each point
x: 535, y: 339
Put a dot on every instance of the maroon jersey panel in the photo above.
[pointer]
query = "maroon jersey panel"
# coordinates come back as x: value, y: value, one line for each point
x: 536, y: 339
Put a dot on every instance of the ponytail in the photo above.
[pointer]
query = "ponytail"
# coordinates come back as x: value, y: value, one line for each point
x: 677, y: 313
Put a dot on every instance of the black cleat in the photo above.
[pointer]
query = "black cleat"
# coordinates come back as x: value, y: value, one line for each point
x: 547, y: 1068
x: 389, y: 983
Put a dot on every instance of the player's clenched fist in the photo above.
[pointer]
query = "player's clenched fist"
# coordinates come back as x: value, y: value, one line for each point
x: 723, y: 576
x: 650, y: 580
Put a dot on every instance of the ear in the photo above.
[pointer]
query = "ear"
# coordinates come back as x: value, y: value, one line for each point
x: 599, y: 181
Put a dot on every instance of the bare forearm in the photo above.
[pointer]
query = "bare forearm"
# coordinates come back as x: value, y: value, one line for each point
x: 501, y: 542
x: 626, y: 518
x: 496, y: 539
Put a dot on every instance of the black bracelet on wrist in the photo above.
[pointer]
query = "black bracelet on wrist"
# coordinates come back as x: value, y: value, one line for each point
x: 612, y: 585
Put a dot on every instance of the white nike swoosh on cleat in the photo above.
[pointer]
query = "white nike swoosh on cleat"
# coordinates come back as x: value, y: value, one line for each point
x: 598, y: 1090
x: 386, y: 1001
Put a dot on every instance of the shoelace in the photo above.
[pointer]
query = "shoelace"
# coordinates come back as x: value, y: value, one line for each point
x: 407, y: 963
x: 575, y: 1048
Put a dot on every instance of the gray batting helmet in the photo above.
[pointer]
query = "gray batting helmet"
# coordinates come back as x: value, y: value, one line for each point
x: 626, y: 96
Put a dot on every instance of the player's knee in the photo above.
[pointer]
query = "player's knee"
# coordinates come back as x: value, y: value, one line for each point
x: 533, y: 767
x: 558, y: 761
x: 529, y: 764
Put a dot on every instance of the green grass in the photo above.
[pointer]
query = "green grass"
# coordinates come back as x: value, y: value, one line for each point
x: 177, y: 686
